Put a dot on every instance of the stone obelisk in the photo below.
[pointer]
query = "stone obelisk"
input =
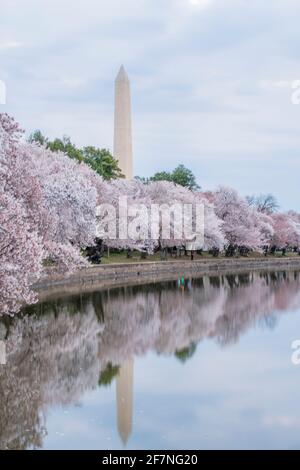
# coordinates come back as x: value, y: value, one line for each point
x: 122, y: 128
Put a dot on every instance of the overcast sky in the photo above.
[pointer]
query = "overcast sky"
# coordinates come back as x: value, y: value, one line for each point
x: 211, y: 82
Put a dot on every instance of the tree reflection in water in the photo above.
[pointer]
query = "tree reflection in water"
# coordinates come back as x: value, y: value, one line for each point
x: 59, y: 349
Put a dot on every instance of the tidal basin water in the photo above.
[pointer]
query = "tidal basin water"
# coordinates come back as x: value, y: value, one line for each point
x: 201, y: 363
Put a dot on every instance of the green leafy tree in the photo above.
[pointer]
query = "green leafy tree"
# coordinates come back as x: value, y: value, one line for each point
x: 65, y: 145
x: 186, y: 353
x: 162, y: 176
x: 38, y: 137
x: 108, y: 375
x: 181, y: 175
x: 102, y: 162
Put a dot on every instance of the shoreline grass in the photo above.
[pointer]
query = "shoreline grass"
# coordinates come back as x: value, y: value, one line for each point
x: 119, y: 258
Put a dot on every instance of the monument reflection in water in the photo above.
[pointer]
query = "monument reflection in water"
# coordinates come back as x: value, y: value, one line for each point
x: 61, y: 354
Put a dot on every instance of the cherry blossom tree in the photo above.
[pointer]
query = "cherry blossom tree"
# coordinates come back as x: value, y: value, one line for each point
x: 126, y: 206
x: 173, y: 219
x: 294, y: 218
x: 21, y: 248
x: 286, y: 230
x: 214, y: 236
x: 48, y: 210
x: 20, y: 255
x: 241, y: 224
x: 69, y: 198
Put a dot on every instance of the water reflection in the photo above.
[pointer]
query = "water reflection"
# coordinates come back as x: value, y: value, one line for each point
x: 124, y: 395
x: 60, y: 349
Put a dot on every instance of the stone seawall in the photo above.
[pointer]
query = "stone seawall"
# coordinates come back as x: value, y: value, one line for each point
x: 114, y: 275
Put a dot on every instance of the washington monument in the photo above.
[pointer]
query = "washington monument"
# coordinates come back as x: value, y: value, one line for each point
x: 123, y: 153
x: 122, y: 127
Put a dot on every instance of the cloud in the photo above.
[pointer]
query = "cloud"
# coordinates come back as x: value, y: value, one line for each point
x: 9, y: 44
x: 209, y: 85
x: 283, y: 421
x: 200, y: 3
